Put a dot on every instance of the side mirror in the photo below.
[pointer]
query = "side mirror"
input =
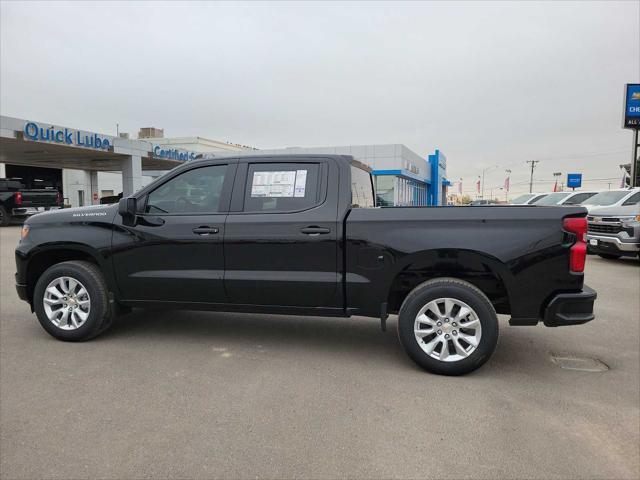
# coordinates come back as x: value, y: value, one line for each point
x: 127, y: 208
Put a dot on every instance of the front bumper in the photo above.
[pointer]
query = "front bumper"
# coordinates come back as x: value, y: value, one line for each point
x: 605, y: 244
x: 573, y: 308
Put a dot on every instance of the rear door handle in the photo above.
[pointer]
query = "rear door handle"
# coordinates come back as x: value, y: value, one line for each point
x: 313, y: 230
x: 205, y: 230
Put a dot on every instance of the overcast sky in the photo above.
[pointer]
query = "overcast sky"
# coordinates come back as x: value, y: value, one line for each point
x: 487, y: 83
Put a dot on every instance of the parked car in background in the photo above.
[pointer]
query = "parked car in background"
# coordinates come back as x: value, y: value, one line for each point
x: 614, y: 232
x: 527, y: 198
x: 565, y: 198
x: 613, y: 198
x: 19, y: 202
x: 475, y: 203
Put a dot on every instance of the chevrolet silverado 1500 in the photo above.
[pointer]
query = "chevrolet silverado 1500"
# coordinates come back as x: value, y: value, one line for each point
x: 301, y: 235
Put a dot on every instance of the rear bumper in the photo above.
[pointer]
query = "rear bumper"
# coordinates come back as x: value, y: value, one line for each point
x: 573, y: 308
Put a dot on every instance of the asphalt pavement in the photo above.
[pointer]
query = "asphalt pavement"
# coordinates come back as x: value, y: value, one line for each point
x: 217, y: 395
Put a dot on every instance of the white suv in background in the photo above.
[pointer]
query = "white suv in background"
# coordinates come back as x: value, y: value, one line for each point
x: 613, y: 198
x: 565, y: 198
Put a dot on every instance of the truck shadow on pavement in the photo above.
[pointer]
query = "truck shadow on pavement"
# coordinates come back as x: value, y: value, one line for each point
x: 359, y: 338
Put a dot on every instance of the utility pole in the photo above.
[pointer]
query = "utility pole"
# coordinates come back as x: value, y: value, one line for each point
x: 533, y: 165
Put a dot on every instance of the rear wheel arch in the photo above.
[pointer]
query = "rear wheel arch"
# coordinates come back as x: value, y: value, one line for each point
x: 483, y: 271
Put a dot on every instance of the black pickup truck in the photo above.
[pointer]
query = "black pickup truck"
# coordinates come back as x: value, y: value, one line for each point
x: 301, y: 235
x: 18, y: 202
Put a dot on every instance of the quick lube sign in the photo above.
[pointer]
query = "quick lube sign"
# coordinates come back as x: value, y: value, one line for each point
x: 65, y: 136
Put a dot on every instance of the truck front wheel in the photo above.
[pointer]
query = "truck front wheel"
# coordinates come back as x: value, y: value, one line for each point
x: 448, y: 326
x: 71, y: 301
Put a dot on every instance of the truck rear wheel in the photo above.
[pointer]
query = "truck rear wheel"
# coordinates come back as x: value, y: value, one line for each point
x: 448, y: 326
x: 71, y: 301
x: 5, y: 218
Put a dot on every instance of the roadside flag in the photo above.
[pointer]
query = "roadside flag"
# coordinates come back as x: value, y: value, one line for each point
x: 623, y: 182
x: 506, y: 184
x: 555, y: 187
x: 460, y: 187
x: 478, y: 185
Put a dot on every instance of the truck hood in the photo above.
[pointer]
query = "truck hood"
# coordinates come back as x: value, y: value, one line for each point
x: 104, y: 213
x: 618, y: 211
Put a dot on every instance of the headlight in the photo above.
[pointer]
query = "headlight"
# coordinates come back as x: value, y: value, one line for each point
x: 630, y: 221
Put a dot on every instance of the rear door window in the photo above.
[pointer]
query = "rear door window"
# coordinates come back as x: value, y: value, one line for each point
x: 282, y: 187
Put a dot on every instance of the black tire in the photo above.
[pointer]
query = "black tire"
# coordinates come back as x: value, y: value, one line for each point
x: 459, y: 290
x: 609, y: 256
x: 100, y: 316
x: 5, y: 218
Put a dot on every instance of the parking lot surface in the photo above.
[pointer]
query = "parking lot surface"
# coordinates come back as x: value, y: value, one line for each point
x: 204, y: 395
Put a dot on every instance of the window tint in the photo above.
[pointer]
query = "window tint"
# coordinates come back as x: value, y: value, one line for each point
x: 609, y: 197
x: 361, y: 188
x: 579, y: 198
x: 536, y: 199
x: 282, y: 187
x: 194, y: 191
x: 522, y: 198
x: 552, y: 198
x: 633, y: 199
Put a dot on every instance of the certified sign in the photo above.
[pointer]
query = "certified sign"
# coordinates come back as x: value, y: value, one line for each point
x: 632, y: 106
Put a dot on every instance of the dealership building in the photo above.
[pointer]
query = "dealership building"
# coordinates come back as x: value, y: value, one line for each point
x: 86, y: 166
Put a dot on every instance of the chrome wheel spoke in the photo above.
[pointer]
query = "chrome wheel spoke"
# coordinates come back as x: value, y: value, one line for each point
x: 449, y: 305
x: 462, y: 313
x: 426, y: 320
x: 471, y: 340
x: 54, y: 292
x: 460, y: 350
x: 470, y: 324
x: 431, y: 346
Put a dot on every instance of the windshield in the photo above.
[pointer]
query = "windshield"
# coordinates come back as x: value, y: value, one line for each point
x: 607, y: 198
x: 552, y: 198
x: 522, y: 198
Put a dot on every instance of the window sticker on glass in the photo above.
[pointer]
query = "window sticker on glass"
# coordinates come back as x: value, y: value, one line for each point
x: 279, y: 184
x: 301, y: 183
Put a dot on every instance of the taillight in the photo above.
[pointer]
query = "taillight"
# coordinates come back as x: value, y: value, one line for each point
x: 58, y: 198
x: 578, y: 251
x: 18, y: 198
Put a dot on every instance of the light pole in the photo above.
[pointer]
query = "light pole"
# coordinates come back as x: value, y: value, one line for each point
x: 507, y: 185
x: 483, y: 172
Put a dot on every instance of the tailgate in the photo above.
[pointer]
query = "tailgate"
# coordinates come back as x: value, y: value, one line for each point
x: 39, y: 198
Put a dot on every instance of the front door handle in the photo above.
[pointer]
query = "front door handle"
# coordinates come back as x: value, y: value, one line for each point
x: 313, y: 230
x: 205, y: 230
